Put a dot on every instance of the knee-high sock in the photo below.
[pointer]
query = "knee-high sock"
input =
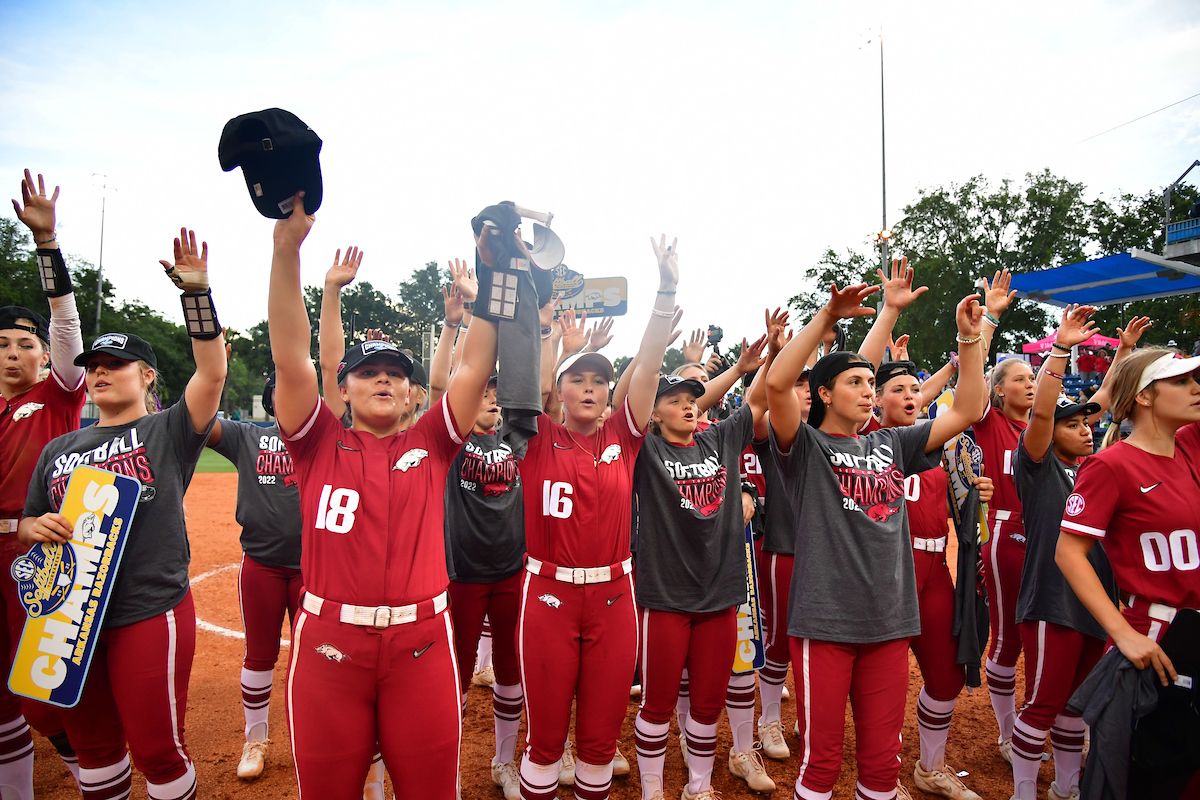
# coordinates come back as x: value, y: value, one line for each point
x: 1028, y: 744
x: 683, y: 701
x: 539, y: 781
x: 113, y: 782
x: 16, y: 759
x: 256, y: 701
x: 506, y: 710
x: 1066, y: 737
x: 739, y: 704
x: 1002, y: 687
x: 933, y: 725
x: 770, y: 688
x: 67, y: 754
x: 702, y: 749
x: 182, y: 788
x: 483, y: 653
x: 592, y: 781
x: 651, y: 740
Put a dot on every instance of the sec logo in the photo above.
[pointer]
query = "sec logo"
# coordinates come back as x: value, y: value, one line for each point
x: 1075, y: 504
x: 44, y: 577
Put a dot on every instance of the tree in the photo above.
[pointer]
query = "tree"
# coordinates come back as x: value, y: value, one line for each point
x: 421, y: 295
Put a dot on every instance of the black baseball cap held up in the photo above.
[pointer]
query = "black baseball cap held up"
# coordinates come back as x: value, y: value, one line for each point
x: 823, y: 373
x: 20, y: 317
x: 279, y: 156
x: 125, y: 346
x: 377, y: 350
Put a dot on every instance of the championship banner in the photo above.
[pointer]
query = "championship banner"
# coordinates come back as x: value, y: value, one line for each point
x: 65, y: 588
x: 597, y: 297
x: 751, y: 651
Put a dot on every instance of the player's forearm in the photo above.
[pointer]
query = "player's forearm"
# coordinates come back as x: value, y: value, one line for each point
x: 1041, y: 417
x: 287, y: 318
x: 717, y: 388
x: 439, y: 366
x: 331, y: 336
x: 66, y: 339
x: 936, y: 383
x: 467, y: 384
x: 875, y: 342
x: 971, y: 394
x: 204, y: 388
x: 643, y: 384
x: 1071, y: 556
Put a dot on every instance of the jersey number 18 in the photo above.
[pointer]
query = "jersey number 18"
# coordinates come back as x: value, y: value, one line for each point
x: 335, y: 509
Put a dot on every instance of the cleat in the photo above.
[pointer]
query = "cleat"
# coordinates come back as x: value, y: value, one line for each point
x: 484, y: 677
x: 1054, y: 793
x: 1006, y: 749
x: 254, y: 758
x: 942, y: 782
x: 750, y: 768
x: 505, y: 776
x: 773, y: 744
x: 566, y: 768
x: 620, y: 765
x: 787, y: 695
x: 708, y: 794
x: 635, y: 692
x: 902, y: 793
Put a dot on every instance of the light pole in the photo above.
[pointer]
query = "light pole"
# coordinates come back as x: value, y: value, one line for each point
x: 885, y: 233
x: 100, y: 265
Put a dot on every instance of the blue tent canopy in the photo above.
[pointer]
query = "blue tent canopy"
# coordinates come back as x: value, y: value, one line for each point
x: 1119, y: 278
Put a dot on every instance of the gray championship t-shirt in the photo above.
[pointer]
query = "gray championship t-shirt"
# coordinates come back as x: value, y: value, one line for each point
x: 268, y: 503
x: 780, y: 505
x: 485, y: 512
x: 1045, y: 595
x: 161, y: 451
x: 691, y: 540
x: 853, y: 579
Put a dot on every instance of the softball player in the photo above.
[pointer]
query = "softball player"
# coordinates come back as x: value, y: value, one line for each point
x: 268, y: 509
x: 137, y: 687
x: 577, y: 631
x: 1138, y: 497
x: 1061, y: 640
x: 32, y: 412
x: 372, y: 631
x: 853, y: 605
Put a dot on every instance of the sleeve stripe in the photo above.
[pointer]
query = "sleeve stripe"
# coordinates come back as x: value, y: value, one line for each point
x: 629, y: 420
x: 1086, y: 530
x: 59, y: 380
x: 312, y: 420
x: 449, y: 419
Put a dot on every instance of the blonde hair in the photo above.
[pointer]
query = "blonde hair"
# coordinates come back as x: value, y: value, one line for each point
x: 997, y: 375
x: 1123, y: 379
x: 678, y: 371
x: 152, y: 402
x: 1111, y: 436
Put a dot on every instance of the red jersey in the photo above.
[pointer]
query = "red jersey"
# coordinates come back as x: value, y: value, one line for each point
x: 1143, y: 507
x: 752, y: 471
x: 373, y: 509
x: 28, y: 421
x: 997, y: 436
x: 928, y: 506
x: 579, y: 492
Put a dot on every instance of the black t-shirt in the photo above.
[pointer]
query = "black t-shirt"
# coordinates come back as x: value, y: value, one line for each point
x: 161, y: 451
x: 485, y: 513
x: 268, y: 504
x: 1043, y: 487
x: 691, y: 543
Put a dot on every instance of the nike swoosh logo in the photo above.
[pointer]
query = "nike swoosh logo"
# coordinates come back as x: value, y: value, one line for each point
x: 612, y: 600
x: 421, y: 652
x: 1151, y: 486
x: 351, y: 449
x: 561, y: 446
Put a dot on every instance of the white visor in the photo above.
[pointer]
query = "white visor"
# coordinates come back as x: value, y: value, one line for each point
x: 585, y: 362
x: 1169, y: 366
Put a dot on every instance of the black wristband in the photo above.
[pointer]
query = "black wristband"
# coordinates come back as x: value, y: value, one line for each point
x: 52, y: 271
x: 200, y: 316
x: 1059, y: 347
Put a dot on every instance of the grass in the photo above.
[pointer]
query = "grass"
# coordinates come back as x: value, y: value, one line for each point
x: 212, y: 461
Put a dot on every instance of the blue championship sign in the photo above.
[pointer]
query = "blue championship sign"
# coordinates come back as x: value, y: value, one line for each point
x: 751, y: 653
x: 65, y: 587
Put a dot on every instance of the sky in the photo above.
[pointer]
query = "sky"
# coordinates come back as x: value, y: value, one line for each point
x: 751, y: 131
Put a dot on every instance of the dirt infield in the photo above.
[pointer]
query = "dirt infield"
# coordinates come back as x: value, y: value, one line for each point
x: 214, y: 715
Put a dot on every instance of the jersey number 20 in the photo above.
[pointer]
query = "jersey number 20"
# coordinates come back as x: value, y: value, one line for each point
x: 335, y: 509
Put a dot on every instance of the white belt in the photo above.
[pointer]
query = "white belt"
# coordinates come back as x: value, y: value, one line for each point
x: 1001, y: 515
x: 1158, y: 611
x: 376, y: 616
x: 930, y: 545
x: 9, y: 525
x: 578, y: 575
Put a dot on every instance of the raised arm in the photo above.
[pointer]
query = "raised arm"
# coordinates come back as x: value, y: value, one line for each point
x: 1075, y: 328
x: 189, y: 272
x: 778, y: 336
x: 997, y: 297
x: 470, y: 378
x: 643, y: 383
x: 287, y: 322
x: 1129, y: 336
x: 750, y: 359
x: 936, y: 383
x: 439, y: 365
x: 331, y: 335
x: 898, y: 294
x: 37, y: 212
x: 793, y: 358
x: 972, y: 390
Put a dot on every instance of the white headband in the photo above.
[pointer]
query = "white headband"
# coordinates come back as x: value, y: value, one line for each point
x: 1168, y: 366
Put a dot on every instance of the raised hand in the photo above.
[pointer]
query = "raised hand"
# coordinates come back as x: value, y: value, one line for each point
x: 675, y: 330
x: 668, y: 262
x: 693, y: 348
x: 600, y: 335
x: 1132, y: 333
x: 546, y: 312
x: 190, y: 270
x: 777, y: 333
x: 463, y: 278
x: 1076, y: 327
x: 377, y: 335
x: 847, y: 303
x: 36, y: 210
x: 290, y: 232
x: 344, y: 270
x: 452, y: 304
x: 969, y: 316
x: 899, y: 348
x: 751, y: 357
x: 996, y: 295
x: 574, y: 331
x: 898, y: 290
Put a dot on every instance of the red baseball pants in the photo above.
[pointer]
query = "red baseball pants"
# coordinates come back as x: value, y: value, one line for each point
x: 499, y: 602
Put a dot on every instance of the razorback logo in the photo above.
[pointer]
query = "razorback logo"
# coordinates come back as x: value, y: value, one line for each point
x: 551, y: 600
x: 332, y: 653
x: 410, y: 459
x: 881, y: 512
x: 610, y: 454
x: 27, y: 410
